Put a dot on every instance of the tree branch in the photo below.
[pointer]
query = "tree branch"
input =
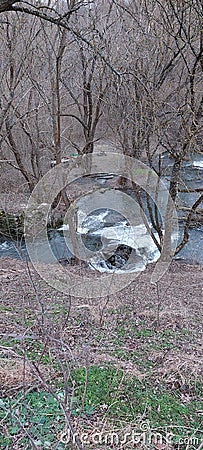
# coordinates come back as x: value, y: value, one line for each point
x: 6, y: 5
x: 59, y: 21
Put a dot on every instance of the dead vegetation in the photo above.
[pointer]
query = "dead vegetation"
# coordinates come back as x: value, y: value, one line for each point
x: 46, y: 338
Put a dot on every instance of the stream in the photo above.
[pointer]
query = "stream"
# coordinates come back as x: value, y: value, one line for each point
x: 118, y: 245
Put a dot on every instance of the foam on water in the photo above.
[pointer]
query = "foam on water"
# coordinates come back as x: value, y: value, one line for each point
x: 198, y: 164
x: 64, y: 227
x: 101, y: 266
x: 4, y: 246
x: 136, y: 237
x: 91, y: 222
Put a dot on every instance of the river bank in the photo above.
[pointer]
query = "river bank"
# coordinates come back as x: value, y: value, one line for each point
x: 13, y: 206
x: 180, y: 288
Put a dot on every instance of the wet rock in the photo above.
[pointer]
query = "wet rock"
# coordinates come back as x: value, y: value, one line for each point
x: 120, y: 257
x: 72, y: 261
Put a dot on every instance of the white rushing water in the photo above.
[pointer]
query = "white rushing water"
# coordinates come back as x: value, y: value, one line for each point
x: 198, y: 164
x: 137, y: 237
x: 90, y: 223
x: 122, y: 248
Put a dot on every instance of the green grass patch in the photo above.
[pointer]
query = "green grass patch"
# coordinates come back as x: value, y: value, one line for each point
x: 126, y: 398
x: 38, y: 413
x: 33, y: 349
x: 100, y: 391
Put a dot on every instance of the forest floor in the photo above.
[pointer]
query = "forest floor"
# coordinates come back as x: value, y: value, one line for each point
x: 123, y: 370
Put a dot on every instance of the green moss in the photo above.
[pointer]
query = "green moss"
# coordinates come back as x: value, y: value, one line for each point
x: 11, y: 225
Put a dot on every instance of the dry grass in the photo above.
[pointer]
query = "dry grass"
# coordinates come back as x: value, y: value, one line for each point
x: 156, y: 340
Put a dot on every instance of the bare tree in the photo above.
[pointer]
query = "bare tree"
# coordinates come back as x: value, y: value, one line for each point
x: 156, y: 105
x: 86, y: 88
x: 137, y: 72
x: 16, y: 98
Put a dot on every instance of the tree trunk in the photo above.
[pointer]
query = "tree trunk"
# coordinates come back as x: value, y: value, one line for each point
x: 30, y: 178
x: 175, y: 176
x: 6, y: 5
